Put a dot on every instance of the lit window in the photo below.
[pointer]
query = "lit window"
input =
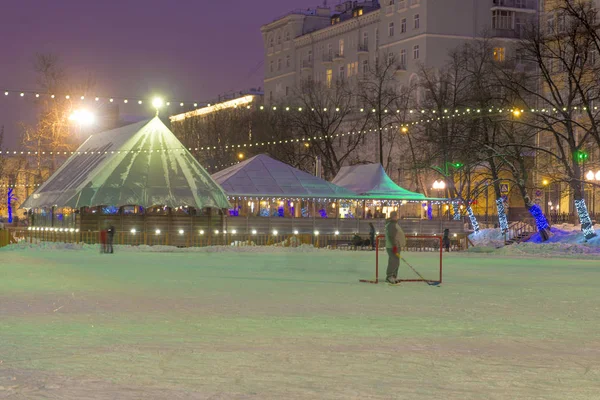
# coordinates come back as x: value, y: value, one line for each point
x: 416, y: 52
x: 499, y: 54
x: 417, y: 23
x: 329, y: 77
x: 341, y: 47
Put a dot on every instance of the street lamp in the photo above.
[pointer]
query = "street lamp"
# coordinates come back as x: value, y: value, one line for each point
x: 439, y: 186
x: 593, y: 177
x: 82, y: 117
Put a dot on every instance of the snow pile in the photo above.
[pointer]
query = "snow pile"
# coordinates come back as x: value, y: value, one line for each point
x: 47, y: 246
x: 556, y: 249
x: 491, y: 237
x: 566, y: 233
x: 248, y: 248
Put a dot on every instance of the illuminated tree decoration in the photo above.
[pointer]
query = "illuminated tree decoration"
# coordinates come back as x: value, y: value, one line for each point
x: 474, y: 222
x: 456, y: 209
x: 585, y: 220
x: 502, y: 215
x: 540, y: 220
x: 9, y: 201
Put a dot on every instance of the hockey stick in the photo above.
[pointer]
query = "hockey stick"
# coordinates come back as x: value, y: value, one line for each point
x: 420, y: 276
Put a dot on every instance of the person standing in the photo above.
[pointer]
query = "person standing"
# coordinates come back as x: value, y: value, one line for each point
x: 111, y: 235
x: 372, y: 235
x: 395, y: 239
x: 446, y: 240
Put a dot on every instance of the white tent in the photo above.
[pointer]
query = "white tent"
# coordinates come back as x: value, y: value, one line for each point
x: 139, y: 164
x: 263, y: 176
x: 371, y: 181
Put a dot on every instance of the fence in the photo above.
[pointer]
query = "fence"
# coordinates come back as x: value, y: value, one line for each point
x: 229, y: 238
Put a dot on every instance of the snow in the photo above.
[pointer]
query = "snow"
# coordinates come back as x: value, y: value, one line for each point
x: 261, y: 322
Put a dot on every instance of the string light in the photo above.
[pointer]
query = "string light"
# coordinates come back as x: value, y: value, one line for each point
x: 584, y: 218
x: 473, y: 219
x: 540, y: 220
x: 502, y: 215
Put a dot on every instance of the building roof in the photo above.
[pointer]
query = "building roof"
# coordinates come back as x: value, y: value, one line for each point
x: 371, y: 181
x: 265, y: 177
x: 139, y: 164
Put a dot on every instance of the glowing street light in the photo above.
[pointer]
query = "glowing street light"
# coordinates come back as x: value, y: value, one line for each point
x: 517, y: 113
x: 157, y: 103
x: 82, y: 117
x: 241, y: 156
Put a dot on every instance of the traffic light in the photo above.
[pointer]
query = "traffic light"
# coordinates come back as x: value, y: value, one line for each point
x: 581, y: 155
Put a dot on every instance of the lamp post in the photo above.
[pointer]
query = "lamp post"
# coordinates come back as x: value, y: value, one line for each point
x: 593, y: 177
x: 439, y: 186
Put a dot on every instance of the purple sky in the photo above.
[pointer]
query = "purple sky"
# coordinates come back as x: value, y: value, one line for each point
x: 184, y: 49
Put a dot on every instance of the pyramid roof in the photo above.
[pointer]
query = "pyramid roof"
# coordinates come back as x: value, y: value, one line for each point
x: 139, y: 164
x: 371, y: 181
x: 263, y: 176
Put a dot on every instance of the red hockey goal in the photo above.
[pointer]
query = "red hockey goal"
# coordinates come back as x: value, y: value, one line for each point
x: 421, y: 260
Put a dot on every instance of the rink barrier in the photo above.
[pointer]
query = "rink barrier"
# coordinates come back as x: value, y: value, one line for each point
x: 203, y: 239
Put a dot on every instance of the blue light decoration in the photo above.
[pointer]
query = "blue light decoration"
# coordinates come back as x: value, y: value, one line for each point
x: 540, y: 219
x: 234, y: 212
x: 304, y: 212
x: 474, y: 222
x: 110, y: 210
x: 456, y: 216
x: 280, y: 211
x: 323, y: 213
x: 502, y: 215
x: 584, y: 218
x: 9, y: 202
x: 429, y: 212
x: 264, y: 212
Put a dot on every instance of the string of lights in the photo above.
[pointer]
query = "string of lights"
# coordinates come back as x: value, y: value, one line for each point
x: 140, y: 100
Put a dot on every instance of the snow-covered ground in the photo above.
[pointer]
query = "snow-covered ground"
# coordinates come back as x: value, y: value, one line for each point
x: 566, y: 241
x: 277, y: 323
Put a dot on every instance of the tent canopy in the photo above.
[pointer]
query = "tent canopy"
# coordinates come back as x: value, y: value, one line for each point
x: 370, y: 181
x: 263, y: 176
x: 139, y: 164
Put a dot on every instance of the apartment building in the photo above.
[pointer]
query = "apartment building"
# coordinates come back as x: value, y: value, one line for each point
x: 327, y: 44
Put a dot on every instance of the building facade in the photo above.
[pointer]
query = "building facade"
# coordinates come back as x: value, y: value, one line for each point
x: 340, y: 43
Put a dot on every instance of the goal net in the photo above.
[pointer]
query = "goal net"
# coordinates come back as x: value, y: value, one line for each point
x: 421, y: 260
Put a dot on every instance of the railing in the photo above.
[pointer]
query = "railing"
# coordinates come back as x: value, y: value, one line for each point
x: 327, y: 58
x: 228, y: 238
x: 517, y: 229
x: 307, y: 64
x: 363, y: 48
x: 524, y: 4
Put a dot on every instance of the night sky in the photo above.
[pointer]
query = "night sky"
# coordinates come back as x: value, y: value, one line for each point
x: 183, y: 49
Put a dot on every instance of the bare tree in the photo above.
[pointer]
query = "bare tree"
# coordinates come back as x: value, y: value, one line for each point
x: 562, y: 90
x: 380, y: 95
x: 329, y: 123
x: 53, y: 131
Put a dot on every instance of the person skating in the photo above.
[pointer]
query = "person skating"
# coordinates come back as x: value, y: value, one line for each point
x: 446, y: 239
x: 110, y: 236
x: 372, y: 235
x: 394, y: 241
